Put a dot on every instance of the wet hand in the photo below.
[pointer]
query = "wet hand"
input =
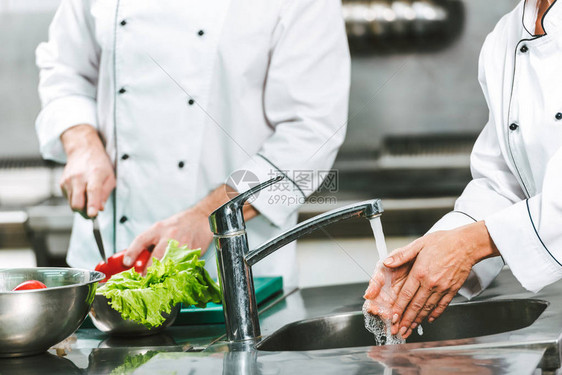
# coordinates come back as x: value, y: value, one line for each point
x: 442, y: 263
x: 380, y: 299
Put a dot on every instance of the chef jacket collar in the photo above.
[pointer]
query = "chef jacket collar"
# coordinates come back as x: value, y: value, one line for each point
x: 551, y: 19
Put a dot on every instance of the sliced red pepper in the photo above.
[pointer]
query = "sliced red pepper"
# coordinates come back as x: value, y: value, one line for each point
x: 142, y: 260
x: 115, y: 265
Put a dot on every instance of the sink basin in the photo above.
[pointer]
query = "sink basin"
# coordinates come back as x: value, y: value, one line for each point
x: 459, y: 321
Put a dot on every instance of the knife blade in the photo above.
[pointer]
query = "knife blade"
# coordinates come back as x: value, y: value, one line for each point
x: 97, y: 236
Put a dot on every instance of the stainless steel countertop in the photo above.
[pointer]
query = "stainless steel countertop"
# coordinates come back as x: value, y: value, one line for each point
x: 188, y: 350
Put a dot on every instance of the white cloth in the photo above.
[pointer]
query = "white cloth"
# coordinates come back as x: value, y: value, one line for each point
x: 517, y: 160
x: 213, y: 86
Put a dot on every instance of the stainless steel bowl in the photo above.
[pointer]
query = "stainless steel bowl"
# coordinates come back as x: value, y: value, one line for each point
x: 31, y: 321
x: 106, y: 319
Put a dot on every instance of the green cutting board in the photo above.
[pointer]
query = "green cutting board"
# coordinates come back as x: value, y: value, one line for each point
x: 265, y: 288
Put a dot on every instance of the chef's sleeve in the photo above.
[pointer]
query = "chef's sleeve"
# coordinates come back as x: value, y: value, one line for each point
x: 68, y: 65
x: 492, y: 189
x: 528, y: 234
x: 306, y: 97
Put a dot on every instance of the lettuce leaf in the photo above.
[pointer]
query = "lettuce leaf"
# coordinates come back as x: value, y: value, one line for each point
x: 180, y: 277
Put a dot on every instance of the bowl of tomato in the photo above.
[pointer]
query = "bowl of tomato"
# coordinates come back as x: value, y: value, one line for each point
x: 40, y: 307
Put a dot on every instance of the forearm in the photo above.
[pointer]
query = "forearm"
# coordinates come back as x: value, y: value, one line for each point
x: 220, y: 196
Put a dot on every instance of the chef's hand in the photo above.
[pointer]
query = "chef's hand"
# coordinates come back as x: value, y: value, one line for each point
x: 190, y: 227
x: 88, y: 177
x: 441, y: 263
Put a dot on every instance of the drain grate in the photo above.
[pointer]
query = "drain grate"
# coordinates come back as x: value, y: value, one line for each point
x: 438, y: 144
x: 443, y: 151
x: 19, y: 163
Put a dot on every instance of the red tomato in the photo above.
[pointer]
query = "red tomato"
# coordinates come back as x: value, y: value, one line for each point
x: 30, y: 284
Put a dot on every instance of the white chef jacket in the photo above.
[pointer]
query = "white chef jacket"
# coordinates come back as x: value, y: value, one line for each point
x: 186, y: 93
x: 516, y: 162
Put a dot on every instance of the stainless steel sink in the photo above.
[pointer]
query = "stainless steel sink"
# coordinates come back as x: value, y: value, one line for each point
x: 459, y: 321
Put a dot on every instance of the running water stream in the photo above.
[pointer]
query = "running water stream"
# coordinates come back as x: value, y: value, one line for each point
x: 380, y: 327
x: 380, y: 243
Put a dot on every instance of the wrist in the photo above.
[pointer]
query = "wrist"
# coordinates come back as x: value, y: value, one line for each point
x: 79, y: 138
x: 481, y: 244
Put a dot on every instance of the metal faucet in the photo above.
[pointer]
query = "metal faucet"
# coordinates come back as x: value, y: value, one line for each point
x: 235, y: 260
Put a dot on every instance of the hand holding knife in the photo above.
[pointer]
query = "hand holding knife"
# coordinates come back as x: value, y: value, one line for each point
x: 95, y: 225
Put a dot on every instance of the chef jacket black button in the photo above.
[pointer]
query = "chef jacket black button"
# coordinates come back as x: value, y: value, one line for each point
x: 513, y: 126
x: 181, y: 164
x: 123, y: 22
x: 122, y: 90
x: 200, y: 33
x: 191, y: 102
x: 524, y: 49
x: 125, y: 157
x: 559, y: 116
x: 123, y: 219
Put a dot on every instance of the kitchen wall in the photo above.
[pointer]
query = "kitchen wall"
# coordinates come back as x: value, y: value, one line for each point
x: 422, y: 92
